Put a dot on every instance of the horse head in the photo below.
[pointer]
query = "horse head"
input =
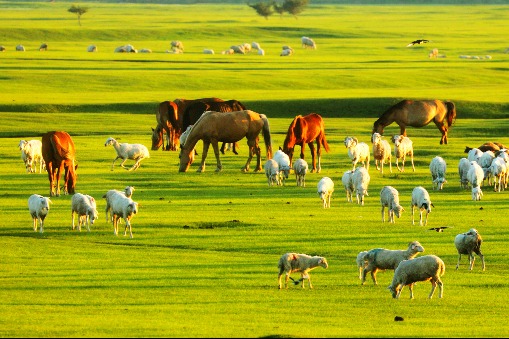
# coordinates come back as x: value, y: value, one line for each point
x: 157, y: 138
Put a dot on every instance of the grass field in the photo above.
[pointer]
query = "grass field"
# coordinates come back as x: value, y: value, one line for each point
x: 203, y: 260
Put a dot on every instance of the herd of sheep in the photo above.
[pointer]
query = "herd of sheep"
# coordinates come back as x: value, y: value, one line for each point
x: 483, y: 164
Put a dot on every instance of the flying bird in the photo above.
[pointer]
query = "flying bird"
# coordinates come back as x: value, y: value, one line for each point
x: 438, y: 229
x: 417, y: 42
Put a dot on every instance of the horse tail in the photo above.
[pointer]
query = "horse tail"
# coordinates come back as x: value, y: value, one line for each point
x: 266, y: 135
x: 451, y: 113
x: 324, y: 142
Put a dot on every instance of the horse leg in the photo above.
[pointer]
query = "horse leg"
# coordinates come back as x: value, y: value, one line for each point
x: 206, y: 145
x: 215, y: 146
x: 252, y: 144
x: 57, y: 179
x: 313, y: 157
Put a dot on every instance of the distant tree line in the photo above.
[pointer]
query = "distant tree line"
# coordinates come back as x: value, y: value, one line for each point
x: 268, y: 7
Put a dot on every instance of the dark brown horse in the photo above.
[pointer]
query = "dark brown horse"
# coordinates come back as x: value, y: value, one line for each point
x: 305, y: 130
x: 418, y: 113
x: 195, y: 110
x: 213, y: 127
x: 167, y: 118
x: 59, y: 154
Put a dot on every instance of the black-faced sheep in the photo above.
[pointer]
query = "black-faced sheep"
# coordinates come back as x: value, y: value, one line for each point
x: 383, y: 259
x: 422, y: 201
x: 469, y: 243
x: 408, y: 272
x: 303, y: 263
x: 38, y: 207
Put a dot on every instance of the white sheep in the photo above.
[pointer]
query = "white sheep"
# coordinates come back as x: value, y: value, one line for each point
x: 485, y: 162
x: 325, y: 190
x: 177, y: 47
x: 308, y: 42
x: 125, y: 208
x: 125, y: 151
x: 255, y: 45
x: 261, y: 52
x: 38, y: 207
x: 469, y: 243
x: 384, y: 259
x: 361, y: 179
x: 474, y: 154
x: 422, y: 201
x: 361, y: 262
x: 357, y: 151
x: 85, y: 208
x: 389, y: 197
x: 381, y: 152
x: 145, y: 50
x: 272, y: 172
x: 463, y: 167
x: 283, y: 161
x: 347, y: 180
x: 20, y: 48
x: 409, y: 272
x: 475, y: 176
x: 208, y: 51
x: 303, y: 263
x: 498, y: 169
x: 238, y: 49
x: 403, y: 146
x: 128, y: 192
x: 300, y: 168
x: 287, y: 51
x: 438, y: 167
x: 31, y: 154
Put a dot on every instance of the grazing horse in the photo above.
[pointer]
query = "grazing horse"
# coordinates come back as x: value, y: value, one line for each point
x: 213, y: 127
x: 305, y: 130
x: 167, y: 121
x: 59, y: 154
x: 418, y: 113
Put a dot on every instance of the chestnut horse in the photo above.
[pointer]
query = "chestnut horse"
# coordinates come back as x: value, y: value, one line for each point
x: 418, y: 113
x: 213, y: 127
x: 166, y: 117
x: 59, y: 153
x: 305, y: 130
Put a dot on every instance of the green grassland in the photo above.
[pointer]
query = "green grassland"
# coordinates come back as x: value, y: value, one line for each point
x: 203, y: 260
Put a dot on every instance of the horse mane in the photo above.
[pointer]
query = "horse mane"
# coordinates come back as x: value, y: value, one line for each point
x: 451, y: 112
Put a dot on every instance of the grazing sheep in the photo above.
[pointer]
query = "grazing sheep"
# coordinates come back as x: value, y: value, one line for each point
x: 438, y: 168
x: 247, y: 47
x: 20, y: 48
x: 383, y: 259
x: 272, y: 172
x: 86, y: 209
x: 463, y: 167
x: 308, y: 42
x: 498, y: 169
x: 255, y: 45
x: 469, y: 243
x: 433, y: 53
x: 474, y: 154
x: 128, y: 192
x: 283, y: 161
x: 357, y: 151
x: 43, y: 47
x: 177, y: 47
x: 287, y: 50
x: 123, y: 207
x: 487, y: 146
x: 408, y: 272
x: 381, y: 152
x: 361, y: 262
x: 361, y: 179
x: 208, y: 51
x: 389, y: 197
x: 145, y: 50
x: 303, y: 263
x: 92, y: 48
x: 347, y: 180
x: 39, y: 208
x: 300, y: 168
x: 261, y: 52
x: 31, y: 153
x: 228, y: 51
x: 421, y: 200
x: 325, y: 190
x: 125, y: 151
x: 403, y: 146
x: 238, y: 49
x: 2, y: 48
x: 475, y: 176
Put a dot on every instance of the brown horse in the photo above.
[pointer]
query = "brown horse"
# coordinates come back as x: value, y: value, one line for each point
x: 167, y: 118
x: 213, y: 127
x: 305, y: 130
x: 59, y: 154
x: 418, y: 113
